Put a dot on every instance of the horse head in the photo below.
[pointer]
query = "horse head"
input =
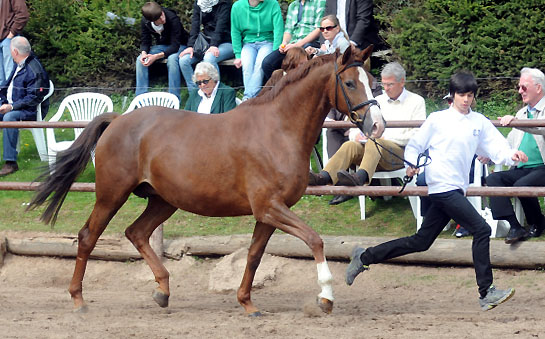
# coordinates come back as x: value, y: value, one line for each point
x: 353, y: 95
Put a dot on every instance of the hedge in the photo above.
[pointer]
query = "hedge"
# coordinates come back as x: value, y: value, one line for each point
x: 79, y: 46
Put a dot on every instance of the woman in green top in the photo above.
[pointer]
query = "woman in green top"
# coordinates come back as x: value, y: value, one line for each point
x: 256, y: 29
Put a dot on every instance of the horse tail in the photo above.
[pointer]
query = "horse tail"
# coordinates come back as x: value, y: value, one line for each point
x: 69, y: 164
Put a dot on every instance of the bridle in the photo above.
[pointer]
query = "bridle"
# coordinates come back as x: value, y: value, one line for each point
x: 352, y: 114
x: 356, y: 120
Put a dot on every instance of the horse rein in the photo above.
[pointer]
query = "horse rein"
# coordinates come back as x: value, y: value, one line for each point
x: 355, y: 119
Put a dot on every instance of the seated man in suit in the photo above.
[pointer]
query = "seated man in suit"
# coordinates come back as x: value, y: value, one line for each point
x: 212, y: 96
x: 397, y: 103
x: 20, y: 97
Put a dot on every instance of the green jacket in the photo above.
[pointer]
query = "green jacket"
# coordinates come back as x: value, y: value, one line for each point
x: 223, y: 101
x: 252, y: 24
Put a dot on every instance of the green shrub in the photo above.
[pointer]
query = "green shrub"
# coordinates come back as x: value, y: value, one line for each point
x: 491, y: 38
x: 78, y: 47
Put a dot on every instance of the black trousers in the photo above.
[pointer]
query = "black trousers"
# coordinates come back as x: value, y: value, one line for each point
x: 444, y: 206
x: 502, y: 207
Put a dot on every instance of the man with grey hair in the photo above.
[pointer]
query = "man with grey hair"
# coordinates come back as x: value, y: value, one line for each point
x: 530, y: 140
x: 396, y: 103
x: 19, y: 98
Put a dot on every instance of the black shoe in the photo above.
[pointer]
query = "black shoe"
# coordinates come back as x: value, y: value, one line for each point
x: 537, y: 230
x: 516, y: 234
x: 9, y: 168
x: 318, y: 179
x: 348, y: 179
x: 339, y: 199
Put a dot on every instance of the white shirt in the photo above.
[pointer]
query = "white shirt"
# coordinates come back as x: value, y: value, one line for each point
x: 9, y: 93
x: 206, y: 103
x: 341, y: 13
x: 408, y: 106
x: 453, y: 139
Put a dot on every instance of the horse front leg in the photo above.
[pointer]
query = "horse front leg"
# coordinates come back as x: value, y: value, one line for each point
x: 262, y: 234
x: 281, y: 217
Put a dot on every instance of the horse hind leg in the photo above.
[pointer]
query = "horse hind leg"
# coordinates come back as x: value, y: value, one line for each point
x: 260, y: 238
x: 156, y: 212
x: 87, y: 238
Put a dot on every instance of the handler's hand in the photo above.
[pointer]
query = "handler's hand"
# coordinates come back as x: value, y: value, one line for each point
x: 411, y: 171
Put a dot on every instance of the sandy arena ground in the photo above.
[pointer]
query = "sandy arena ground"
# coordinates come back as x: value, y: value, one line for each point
x: 389, y: 301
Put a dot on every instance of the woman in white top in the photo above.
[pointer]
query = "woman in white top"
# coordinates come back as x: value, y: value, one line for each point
x: 333, y: 35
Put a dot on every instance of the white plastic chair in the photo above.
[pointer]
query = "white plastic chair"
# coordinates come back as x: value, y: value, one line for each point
x: 38, y: 133
x: 154, y: 99
x: 384, y: 177
x: 82, y: 107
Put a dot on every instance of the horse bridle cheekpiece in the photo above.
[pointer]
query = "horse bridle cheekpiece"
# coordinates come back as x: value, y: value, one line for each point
x: 352, y: 114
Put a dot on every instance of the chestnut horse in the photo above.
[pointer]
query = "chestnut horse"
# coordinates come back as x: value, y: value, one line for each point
x: 251, y: 160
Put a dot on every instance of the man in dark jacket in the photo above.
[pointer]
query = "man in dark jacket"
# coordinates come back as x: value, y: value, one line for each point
x: 163, y: 26
x: 20, y: 97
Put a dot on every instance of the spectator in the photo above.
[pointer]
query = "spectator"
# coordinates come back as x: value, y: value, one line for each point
x: 13, y: 18
x: 357, y: 21
x: 334, y: 37
x: 215, y: 17
x: 163, y: 26
x: 212, y: 96
x: 295, y: 57
x: 531, y: 141
x: 301, y: 29
x: 256, y: 29
x: 26, y: 87
x: 397, y: 103
x: 453, y: 136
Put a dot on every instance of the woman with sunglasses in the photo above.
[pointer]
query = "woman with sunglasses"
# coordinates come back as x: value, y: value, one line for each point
x: 212, y: 96
x: 333, y: 35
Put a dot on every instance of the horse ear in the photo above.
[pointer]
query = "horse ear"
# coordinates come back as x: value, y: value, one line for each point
x: 366, y: 53
x: 347, y: 55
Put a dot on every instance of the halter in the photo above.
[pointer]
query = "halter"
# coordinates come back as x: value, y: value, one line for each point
x: 352, y: 114
x: 355, y: 119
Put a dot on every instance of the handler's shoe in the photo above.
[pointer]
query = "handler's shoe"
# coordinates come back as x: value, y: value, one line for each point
x: 356, y: 266
x: 495, y: 297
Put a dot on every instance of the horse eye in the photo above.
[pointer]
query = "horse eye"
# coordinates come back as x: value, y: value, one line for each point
x: 350, y: 84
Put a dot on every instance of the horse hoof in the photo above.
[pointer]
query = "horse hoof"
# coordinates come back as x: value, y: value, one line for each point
x: 325, y: 305
x: 255, y: 314
x: 81, y: 309
x: 160, y: 298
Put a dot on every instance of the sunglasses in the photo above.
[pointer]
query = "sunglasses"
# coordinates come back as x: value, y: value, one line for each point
x: 522, y: 88
x: 202, y: 82
x: 328, y: 28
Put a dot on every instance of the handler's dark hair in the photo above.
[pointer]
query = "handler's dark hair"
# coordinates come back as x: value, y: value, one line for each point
x: 152, y: 11
x: 462, y: 82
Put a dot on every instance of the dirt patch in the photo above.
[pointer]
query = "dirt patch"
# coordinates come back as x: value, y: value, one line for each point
x: 389, y: 301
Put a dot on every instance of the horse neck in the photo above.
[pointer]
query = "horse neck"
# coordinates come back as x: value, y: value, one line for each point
x: 304, y: 104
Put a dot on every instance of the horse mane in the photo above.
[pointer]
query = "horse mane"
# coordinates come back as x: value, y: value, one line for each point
x: 291, y: 77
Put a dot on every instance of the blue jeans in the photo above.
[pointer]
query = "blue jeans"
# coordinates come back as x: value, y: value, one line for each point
x: 6, y: 62
x: 226, y: 52
x: 174, y: 77
x: 11, y: 135
x: 252, y: 56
